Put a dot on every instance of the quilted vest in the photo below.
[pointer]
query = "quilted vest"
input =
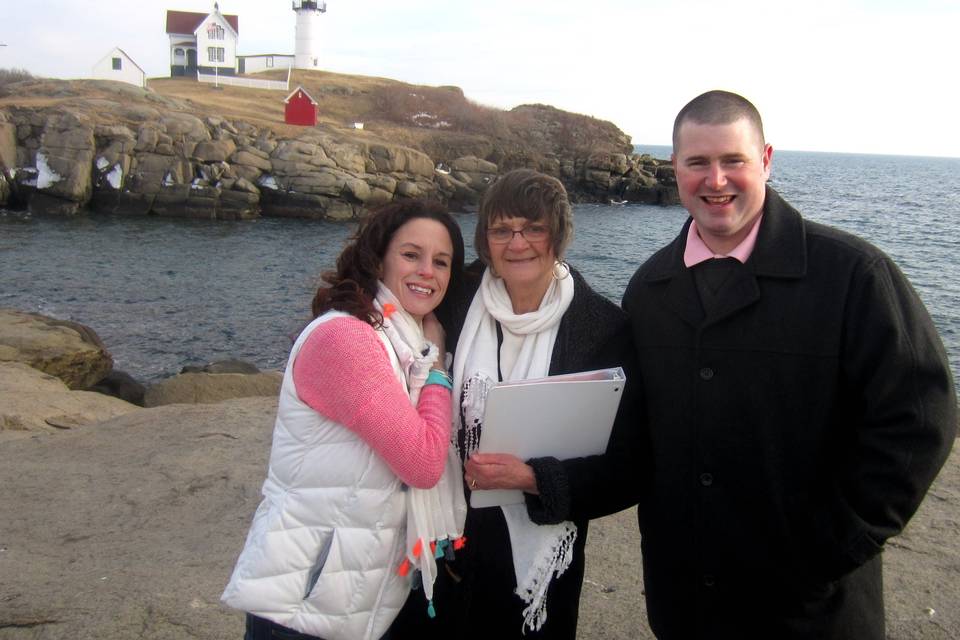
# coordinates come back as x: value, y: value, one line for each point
x: 322, y: 553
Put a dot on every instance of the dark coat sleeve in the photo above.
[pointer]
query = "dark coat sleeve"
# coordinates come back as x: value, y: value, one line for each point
x: 899, y: 390
x: 594, y: 486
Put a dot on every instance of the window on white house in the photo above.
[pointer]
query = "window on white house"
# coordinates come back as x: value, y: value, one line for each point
x: 215, y: 54
x: 270, y: 61
x: 215, y: 32
x: 178, y: 52
x: 117, y: 64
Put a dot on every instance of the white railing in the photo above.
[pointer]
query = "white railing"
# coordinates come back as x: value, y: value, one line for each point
x: 249, y: 83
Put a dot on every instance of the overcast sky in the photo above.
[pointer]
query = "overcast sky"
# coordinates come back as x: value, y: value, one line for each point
x: 859, y: 76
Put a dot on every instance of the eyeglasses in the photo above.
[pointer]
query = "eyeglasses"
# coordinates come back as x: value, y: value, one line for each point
x: 531, y: 233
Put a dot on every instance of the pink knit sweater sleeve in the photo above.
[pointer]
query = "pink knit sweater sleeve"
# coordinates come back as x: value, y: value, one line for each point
x: 343, y: 372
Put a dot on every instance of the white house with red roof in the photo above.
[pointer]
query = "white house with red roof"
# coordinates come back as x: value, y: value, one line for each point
x: 117, y: 65
x: 203, y: 41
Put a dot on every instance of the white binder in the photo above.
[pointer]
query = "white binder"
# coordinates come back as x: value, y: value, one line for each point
x: 564, y: 416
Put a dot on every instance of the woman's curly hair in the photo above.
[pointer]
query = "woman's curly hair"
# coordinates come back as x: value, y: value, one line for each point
x: 352, y: 286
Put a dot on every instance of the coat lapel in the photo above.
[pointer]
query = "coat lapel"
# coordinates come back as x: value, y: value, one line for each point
x: 780, y: 252
x: 740, y: 292
x: 680, y: 292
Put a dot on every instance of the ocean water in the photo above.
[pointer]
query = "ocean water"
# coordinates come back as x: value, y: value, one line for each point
x: 164, y: 293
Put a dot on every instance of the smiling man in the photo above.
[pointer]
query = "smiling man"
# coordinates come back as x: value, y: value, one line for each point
x: 793, y: 405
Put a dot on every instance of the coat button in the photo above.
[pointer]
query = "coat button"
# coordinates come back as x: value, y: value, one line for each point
x: 706, y: 479
x: 706, y: 373
x: 708, y: 580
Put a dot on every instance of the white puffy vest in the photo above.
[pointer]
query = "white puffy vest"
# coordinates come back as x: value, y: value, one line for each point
x: 322, y: 553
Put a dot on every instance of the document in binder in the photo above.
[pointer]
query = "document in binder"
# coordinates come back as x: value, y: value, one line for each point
x: 565, y: 416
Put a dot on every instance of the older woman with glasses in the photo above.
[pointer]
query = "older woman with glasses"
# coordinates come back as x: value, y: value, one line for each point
x: 523, y: 314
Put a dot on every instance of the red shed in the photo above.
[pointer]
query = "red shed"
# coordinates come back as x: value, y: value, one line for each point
x: 300, y: 108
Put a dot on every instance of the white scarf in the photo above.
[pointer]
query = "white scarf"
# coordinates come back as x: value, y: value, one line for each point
x: 540, y: 552
x: 435, y: 516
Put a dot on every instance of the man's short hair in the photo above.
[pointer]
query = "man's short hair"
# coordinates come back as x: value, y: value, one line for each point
x: 717, y: 107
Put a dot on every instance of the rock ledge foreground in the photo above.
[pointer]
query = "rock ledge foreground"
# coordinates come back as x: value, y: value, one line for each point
x: 122, y: 522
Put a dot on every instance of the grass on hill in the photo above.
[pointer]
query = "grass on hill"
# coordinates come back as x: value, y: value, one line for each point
x: 440, y: 121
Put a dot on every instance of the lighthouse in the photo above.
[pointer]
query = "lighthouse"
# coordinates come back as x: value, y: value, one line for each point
x: 307, y: 52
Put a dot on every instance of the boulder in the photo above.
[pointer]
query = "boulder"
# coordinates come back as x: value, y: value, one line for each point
x: 357, y: 188
x: 33, y: 401
x: 385, y: 158
x: 183, y: 126
x: 8, y: 146
x: 246, y: 172
x: 206, y: 388
x: 292, y: 167
x: 214, y: 150
x: 120, y: 384
x: 666, y: 174
x: 385, y: 183
x: 65, y: 156
x: 304, y: 154
x: 286, y: 204
x: 472, y: 164
x: 222, y: 366
x: 45, y: 205
x: 318, y: 182
x: 147, y: 137
x: 68, y: 350
x: 250, y: 159
x: 597, y: 178
x: 615, y: 163
x: 410, y: 189
x: 237, y: 205
x: 457, y: 193
x: 5, y: 190
x: 338, y: 210
x: 346, y: 156
x: 378, y: 197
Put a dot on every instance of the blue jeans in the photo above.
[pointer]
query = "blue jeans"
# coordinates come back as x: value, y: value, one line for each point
x: 262, y: 629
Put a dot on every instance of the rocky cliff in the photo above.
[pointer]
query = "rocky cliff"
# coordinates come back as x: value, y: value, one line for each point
x: 184, y: 149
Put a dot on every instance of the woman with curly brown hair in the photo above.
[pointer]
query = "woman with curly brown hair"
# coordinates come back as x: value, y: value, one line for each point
x: 361, y: 445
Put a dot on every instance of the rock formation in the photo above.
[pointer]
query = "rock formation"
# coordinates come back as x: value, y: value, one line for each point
x: 67, y: 146
x: 34, y: 402
x: 68, y: 350
x: 206, y: 388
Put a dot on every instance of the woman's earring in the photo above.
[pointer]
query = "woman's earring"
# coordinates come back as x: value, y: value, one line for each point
x: 560, y: 270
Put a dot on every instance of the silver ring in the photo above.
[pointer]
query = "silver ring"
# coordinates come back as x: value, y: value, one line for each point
x: 473, y: 483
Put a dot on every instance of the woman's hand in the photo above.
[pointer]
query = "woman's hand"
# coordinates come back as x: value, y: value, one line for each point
x: 499, y: 471
x: 433, y: 331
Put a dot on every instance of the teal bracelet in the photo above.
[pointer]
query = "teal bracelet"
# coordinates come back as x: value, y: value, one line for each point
x: 436, y: 376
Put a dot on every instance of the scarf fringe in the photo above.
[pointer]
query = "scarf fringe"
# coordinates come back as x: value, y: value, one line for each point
x: 533, y: 591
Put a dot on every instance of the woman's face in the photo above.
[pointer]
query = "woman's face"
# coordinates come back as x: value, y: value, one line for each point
x: 524, y: 264
x: 416, y: 265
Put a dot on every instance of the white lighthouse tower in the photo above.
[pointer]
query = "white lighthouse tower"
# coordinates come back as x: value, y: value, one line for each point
x: 307, y: 52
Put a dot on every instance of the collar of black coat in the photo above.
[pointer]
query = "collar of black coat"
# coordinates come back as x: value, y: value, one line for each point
x: 780, y: 252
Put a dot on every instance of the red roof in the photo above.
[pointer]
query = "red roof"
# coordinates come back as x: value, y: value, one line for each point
x: 299, y: 89
x: 188, y: 21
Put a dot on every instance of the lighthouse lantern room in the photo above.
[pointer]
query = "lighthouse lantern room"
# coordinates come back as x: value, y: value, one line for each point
x: 307, y: 52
